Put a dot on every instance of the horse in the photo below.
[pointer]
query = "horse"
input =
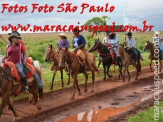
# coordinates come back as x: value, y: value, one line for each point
x: 52, y: 54
x: 150, y: 46
x: 7, y: 89
x: 106, y: 58
x: 75, y: 67
x: 127, y: 61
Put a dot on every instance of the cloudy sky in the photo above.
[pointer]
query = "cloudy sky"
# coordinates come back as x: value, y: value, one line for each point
x: 136, y: 11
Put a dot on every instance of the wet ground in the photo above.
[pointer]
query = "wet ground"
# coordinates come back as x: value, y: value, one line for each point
x: 109, y: 99
x: 98, y: 109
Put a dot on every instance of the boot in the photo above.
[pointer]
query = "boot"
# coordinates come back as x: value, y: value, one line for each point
x: 24, y: 82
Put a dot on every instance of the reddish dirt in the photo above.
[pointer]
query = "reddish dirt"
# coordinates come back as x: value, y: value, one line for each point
x: 56, y: 100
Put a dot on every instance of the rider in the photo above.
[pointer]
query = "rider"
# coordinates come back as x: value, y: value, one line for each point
x: 14, y: 52
x: 62, y: 42
x: 131, y: 47
x: 79, y: 43
x: 158, y: 40
x: 23, y: 57
x: 106, y: 39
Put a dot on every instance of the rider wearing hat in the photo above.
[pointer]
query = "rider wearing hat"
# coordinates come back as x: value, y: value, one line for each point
x: 18, y: 56
x: 14, y: 51
x: 79, y: 43
x: 131, y: 47
x: 62, y: 42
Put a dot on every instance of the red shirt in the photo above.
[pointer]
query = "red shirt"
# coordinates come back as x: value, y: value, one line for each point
x: 14, y: 53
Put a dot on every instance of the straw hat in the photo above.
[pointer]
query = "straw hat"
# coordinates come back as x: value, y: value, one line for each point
x: 62, y: 34
x: 157, y: 33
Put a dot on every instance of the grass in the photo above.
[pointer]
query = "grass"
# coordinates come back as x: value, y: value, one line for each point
x: 36, y: 45
x: 148, y: 115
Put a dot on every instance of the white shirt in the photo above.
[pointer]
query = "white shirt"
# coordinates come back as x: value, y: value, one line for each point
x: 106, y: 40
x: 131, y: 42
x: 114, y: 41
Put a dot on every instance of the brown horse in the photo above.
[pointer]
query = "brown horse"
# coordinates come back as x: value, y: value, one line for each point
x: 7, y: 88
x: 150, y: 46
x: 127, y: 61
x: 75, y: 67
x: 52, y: 54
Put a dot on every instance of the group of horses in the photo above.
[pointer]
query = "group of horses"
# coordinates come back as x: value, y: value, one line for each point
x: 68, y: 60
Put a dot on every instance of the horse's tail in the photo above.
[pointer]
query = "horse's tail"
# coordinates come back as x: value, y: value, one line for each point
x: 138, y: 65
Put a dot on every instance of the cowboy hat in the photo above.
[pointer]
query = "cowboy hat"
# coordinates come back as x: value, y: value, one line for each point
x: 62, y: 34
x: 157, y: 33
x: 15, y: 34
x: 129, y: 34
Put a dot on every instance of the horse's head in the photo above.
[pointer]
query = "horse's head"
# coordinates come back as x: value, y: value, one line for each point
x: 95, y: 46
x: 147, y: 46
x: 120, y: 50
x: 49, y: 53
x: 5, y: 75
x: 62, y: 58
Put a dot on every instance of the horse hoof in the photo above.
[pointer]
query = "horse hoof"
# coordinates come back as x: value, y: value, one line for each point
x: 73, y: 98
x: 39, y: 107
x: 110, y: 76
x: 85, y: 90
x: 14, y: 119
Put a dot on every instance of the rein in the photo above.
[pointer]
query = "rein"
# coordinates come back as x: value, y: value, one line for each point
x: 96, y: 46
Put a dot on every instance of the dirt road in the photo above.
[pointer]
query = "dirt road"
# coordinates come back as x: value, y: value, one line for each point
x: 110, y: 98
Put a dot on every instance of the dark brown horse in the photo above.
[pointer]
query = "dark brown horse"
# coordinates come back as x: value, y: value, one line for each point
x: 75, y: 68
x: 53, y: 55
x: 106, y: 58
x: 127, y: 61
x: 7, y: 88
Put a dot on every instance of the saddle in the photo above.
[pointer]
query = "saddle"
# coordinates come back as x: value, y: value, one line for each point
x: 28, y: 71
x: 111, y: 52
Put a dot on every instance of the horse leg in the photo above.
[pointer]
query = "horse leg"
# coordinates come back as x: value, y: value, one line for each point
x: 75, y: 80
x: 34, y: 91
x: 62, y: 78
x: 4, y: 101
x: 86, y: 79
x: 150, y: 65
x: 104, y: 72
x: 77, y: 85
x: 68, y: 83
x: 128, y: 74
x: 54, y: 74
x: 108, y: 67
x: 30, y: 99
x: 9, y: 102
x: 93, y: 81
x: 137, y: 73
x: 124, y: 74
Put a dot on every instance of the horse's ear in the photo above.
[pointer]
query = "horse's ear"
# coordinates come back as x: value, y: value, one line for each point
x: 98, y: 39
x: 51, y: 46
x: 148, y: 41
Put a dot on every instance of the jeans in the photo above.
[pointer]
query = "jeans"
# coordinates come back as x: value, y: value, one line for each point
x: 38, y: 80
x: 20, y: 70
x: 115, y: 50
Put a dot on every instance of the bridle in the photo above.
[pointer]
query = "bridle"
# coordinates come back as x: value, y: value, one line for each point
x: 3, y: 76
x: 98, y: 50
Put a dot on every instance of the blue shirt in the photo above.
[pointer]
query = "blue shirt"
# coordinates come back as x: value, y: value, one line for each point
x: 78, y: 40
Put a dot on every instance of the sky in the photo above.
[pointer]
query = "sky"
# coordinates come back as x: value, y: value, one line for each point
x: 135, y: 11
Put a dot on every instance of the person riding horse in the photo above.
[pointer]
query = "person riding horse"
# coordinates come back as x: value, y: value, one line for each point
x: 63, y: 43
x: 16, y: 53
x: 79, y: 43
x: 131, y: 47
x: 158, y: 40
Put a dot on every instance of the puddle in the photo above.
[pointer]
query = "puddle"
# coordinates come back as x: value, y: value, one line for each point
x: 98, y: 115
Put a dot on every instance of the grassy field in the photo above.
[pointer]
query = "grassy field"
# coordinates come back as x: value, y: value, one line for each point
x: 148, y: 115
x: 37, y: 43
